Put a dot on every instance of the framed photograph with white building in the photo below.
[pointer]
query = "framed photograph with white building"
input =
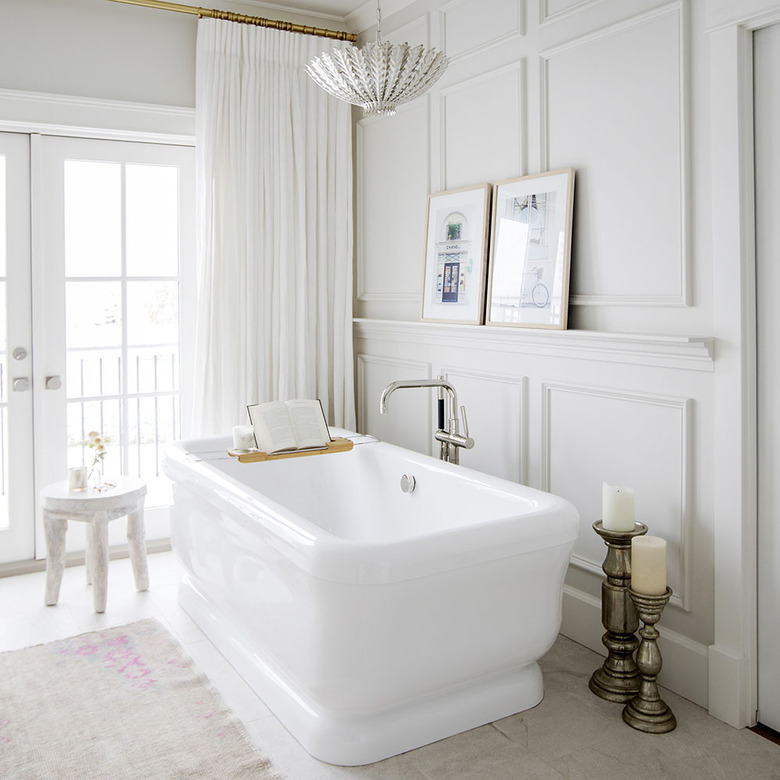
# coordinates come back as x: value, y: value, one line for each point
x: 530, y: 251
x: 456, y: 255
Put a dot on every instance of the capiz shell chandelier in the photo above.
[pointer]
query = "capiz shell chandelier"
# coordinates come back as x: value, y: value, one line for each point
x: 380, y: 75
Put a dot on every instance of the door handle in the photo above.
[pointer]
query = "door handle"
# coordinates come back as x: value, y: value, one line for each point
x: 21, y: 383
x: 53, y: 383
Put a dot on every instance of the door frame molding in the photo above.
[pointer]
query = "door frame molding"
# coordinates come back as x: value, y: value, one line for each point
x: 112, y: 120
x: 733, y: 681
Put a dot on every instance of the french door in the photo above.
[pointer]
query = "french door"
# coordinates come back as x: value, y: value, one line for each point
x: 16, y: 421
x: 111, y: 281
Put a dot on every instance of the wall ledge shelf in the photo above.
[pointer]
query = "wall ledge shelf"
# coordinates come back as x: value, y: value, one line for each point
x: 694, y: 353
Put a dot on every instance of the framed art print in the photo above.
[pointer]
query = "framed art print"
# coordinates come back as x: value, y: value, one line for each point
x: 530, y: 251
x: 456, y: 255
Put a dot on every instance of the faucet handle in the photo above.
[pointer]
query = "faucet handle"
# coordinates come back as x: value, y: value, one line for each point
x: 465, y: 421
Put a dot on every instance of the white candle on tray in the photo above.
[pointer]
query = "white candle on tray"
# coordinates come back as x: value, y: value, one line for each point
x: 243, y: 437
x: 617, y: 508
x: 648, y: 565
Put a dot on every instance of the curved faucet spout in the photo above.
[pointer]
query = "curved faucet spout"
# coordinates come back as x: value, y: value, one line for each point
x: 450, y: 439
x: 403, y: 383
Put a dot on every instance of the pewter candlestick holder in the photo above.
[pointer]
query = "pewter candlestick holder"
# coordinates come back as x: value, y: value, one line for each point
x: 618, y: 679
x: 647, y: 711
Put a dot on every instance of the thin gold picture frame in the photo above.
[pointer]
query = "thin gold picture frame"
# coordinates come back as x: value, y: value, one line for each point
x: 529, y: 261
x: 455, y: 266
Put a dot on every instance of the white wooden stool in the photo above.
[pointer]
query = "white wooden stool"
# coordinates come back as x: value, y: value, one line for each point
x: 97, y: 509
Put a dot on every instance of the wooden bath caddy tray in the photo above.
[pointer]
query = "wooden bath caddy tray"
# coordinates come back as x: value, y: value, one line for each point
x: 337, y: 444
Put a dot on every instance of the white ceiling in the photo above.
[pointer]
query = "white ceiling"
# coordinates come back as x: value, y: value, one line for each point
x: 335, y: 8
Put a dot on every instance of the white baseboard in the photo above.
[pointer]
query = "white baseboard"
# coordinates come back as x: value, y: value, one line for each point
x: 685, y: 669
x: 729, y: 686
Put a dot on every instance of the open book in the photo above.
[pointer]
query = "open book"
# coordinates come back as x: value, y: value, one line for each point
x: 283, y: 426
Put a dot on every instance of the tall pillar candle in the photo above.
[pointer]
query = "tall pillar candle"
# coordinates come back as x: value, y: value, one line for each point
x: 617, y: 508
x: 648, y: 565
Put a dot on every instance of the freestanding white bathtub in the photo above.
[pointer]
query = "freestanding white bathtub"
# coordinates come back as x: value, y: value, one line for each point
x: 371, y: 621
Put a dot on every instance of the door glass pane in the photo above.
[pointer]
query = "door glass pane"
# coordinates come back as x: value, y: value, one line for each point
x: 94, y: 372
x: 152, y: 220
x: 93, y: 314
x: 153, y: 370
x: 93, y: 218
x: 101, y: 415
x: 153, y: 313
x: 152, y: 422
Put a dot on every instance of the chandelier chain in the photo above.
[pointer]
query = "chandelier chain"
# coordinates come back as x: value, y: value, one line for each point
x: 378, y: 22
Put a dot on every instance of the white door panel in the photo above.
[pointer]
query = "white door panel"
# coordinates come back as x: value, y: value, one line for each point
x: 16, y: 437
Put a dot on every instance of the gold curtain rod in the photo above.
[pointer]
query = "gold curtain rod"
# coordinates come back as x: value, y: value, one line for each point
x: 213, y: 13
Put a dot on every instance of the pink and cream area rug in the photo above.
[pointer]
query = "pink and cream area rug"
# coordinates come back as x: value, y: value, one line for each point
x: 121, y: 703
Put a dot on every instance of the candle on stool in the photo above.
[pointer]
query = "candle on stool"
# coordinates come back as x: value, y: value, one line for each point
x: 77, y: 478
x: 243, y: 437
x: 617, y: 508
x: 648, y: 565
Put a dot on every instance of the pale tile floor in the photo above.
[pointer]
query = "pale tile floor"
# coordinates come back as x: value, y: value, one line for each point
x: 571, y: 734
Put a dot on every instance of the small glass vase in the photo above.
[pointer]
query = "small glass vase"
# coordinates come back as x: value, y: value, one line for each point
x: 96, y: 474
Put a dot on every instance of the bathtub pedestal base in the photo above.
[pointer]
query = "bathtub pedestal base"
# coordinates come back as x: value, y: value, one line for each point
x: 364, y: 737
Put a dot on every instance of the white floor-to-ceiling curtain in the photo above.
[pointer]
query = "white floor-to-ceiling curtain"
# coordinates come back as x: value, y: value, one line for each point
x: 275, y: 228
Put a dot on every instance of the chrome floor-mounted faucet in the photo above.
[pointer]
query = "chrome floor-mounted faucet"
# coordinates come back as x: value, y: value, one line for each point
x: 450, y: 439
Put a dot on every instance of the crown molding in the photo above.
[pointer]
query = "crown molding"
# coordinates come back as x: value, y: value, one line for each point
x: 364, y: 17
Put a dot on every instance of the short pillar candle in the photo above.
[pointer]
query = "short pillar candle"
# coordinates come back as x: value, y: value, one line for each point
x: 648, y: 565
x: 617, y: 508
x: 243, y: 437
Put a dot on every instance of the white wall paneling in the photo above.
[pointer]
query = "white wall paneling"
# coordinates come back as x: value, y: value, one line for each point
x: 631, y: 218
x: 415, y: 33
x: 651, y: 102
x: 550, y: 10
x: 750, y: 14
x: 392, y: 180
x: 537, y: 418
x: 590, y: 435
x: 468, y: 26
x: 468, y: 112
x: 496, y: 408
x: 408, y: 422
